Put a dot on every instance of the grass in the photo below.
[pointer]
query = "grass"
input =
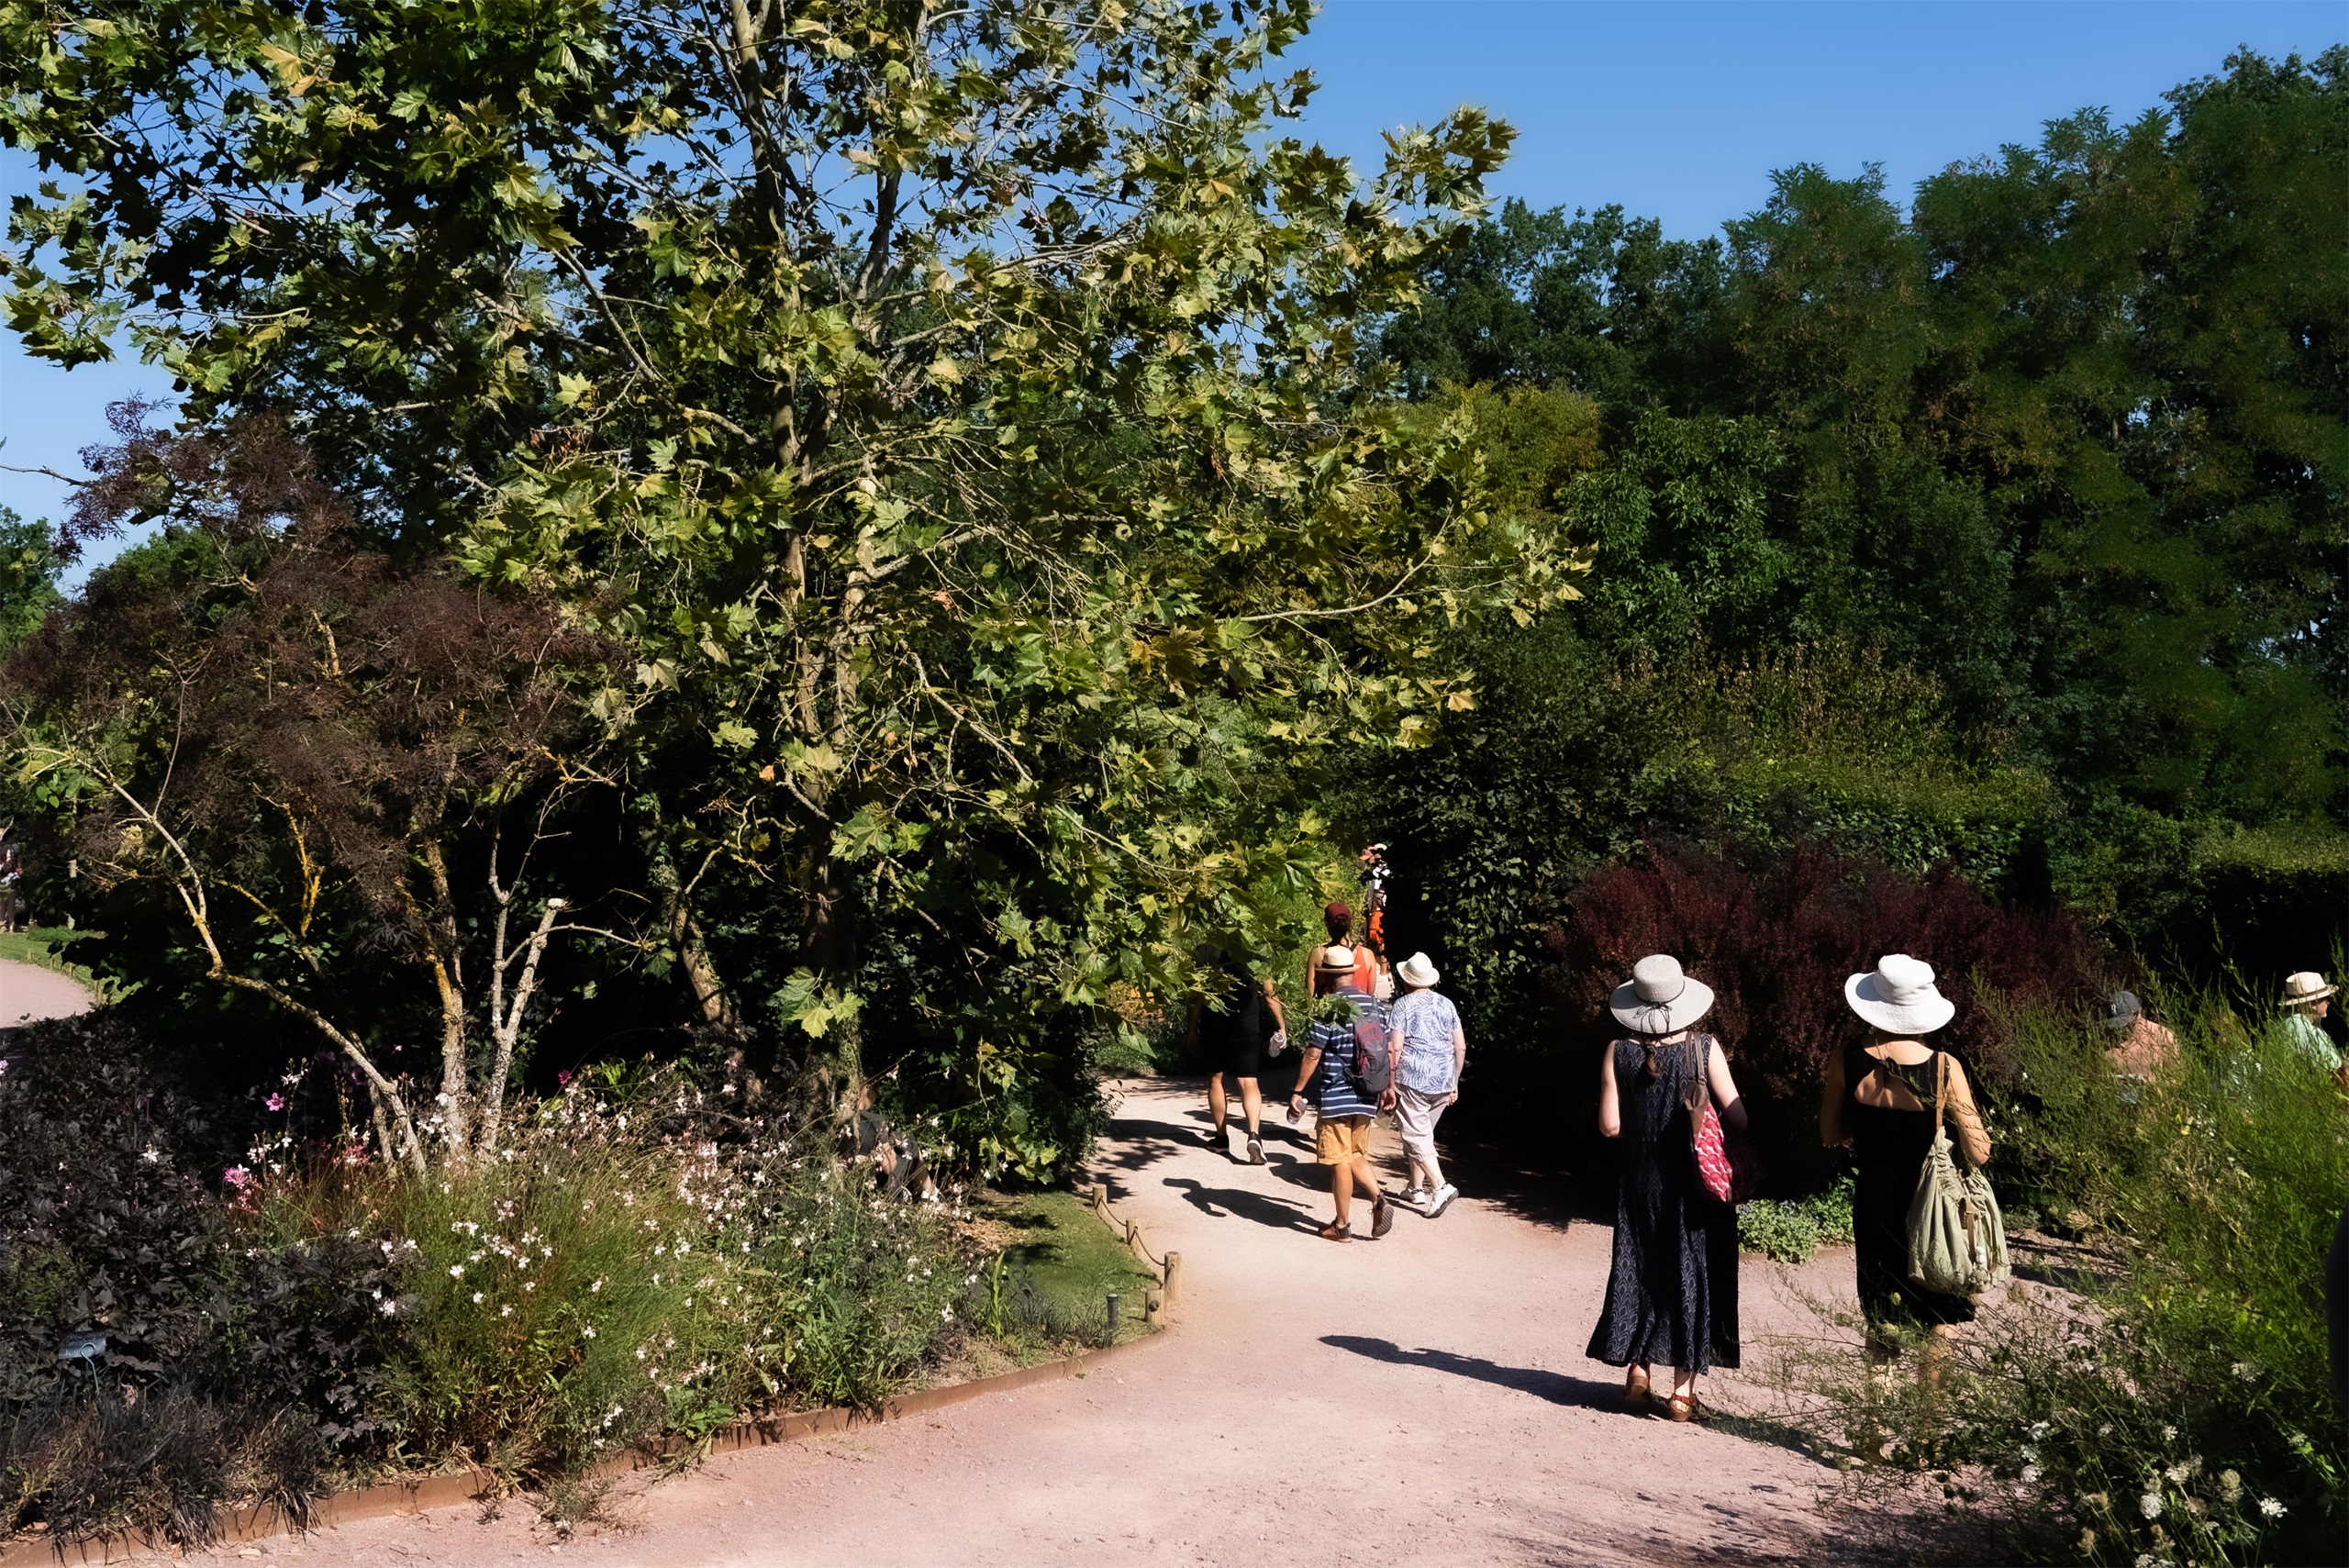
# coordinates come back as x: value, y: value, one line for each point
x: 1070, y: 1261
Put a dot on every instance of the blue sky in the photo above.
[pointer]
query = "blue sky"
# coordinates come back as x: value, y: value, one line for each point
x: 1675, y: 108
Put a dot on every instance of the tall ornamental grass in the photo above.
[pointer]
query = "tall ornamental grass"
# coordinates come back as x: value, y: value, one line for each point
x: 2159, y: 1395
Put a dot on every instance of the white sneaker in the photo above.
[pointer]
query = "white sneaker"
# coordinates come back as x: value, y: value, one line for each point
x: 1415, y: 1196
x: 1441, y: 1199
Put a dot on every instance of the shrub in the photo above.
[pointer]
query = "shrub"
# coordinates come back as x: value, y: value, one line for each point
x: 1790, y: 1231
x: 2171, y: 1406
x: 648, y: 1257
x: 1777, y: 946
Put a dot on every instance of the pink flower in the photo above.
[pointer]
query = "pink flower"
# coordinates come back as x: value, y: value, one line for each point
x: 562, y: 1080
x: 238, y: 1177
x: 276, y: 1102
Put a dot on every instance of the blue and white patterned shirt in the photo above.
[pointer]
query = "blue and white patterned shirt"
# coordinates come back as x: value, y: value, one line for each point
x: 1427, y: 1022
x: 1331, y: 1092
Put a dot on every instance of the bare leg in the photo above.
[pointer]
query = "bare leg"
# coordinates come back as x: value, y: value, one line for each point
x: 1252, y: 1101
x: 1217, y: 1106
x: 1342, y: 1188
x: 1361, y: 1174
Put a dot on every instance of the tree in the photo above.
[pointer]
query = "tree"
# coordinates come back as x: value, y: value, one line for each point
x: 29, y: 568
x: 957, y: 412
x: 305, y: 751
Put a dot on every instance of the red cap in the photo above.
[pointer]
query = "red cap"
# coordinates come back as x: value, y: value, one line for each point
x: 1338, y: 911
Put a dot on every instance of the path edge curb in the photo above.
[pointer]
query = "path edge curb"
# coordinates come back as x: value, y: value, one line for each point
x: 261, y: 1521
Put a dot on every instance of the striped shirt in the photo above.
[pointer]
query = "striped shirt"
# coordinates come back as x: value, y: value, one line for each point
x: 1331, y: 1092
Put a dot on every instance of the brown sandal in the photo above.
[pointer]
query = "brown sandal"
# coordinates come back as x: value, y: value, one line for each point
x: 1336, y: 1233
x: 1686, y: 1409
x: 1636, y: 1391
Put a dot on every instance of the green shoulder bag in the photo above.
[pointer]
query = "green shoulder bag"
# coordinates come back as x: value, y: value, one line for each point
x: 1957, y: 1242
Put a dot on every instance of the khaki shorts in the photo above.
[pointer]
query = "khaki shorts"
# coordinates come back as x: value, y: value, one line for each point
x: 1339, y: 1141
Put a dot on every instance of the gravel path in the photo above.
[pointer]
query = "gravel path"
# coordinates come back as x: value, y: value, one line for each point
x: 1421, y: 1400
x: 28, y: 992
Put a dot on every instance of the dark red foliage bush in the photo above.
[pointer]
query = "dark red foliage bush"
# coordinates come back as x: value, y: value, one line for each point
x: 1776, y: 947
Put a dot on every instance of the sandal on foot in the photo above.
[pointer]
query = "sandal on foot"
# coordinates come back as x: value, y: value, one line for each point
x: 1336, y: 1233
x: 1636, y: 1391
x: 1689, y: 1408
x: 1382, y: 1219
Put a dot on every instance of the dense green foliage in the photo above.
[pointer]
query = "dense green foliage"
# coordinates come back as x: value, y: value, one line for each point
x: 2068, y: 435
x: 29, y: 568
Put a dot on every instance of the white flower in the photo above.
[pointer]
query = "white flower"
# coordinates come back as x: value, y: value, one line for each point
x: 2169, y: 1434
x: 2271, y: 1508
x: 505, y: 1312
x: 387, y: 1308
x: 589, y: 1332
x: 476, y: 1298
x: 2151, y: 1505
x: 2038, y: 1430
x: 2244, y: 1370
x: 456, y: 1271
x: 2030, y: 1473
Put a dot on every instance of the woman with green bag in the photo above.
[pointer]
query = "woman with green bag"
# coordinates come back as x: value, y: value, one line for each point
x: 1880, y: 1098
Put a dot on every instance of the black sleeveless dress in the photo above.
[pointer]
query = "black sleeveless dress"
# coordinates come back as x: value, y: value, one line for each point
x: 1890, y: 1147
x: 1672, y: 1294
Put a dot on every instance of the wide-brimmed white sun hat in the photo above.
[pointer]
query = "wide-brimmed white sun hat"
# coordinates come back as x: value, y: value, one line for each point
x: 2306, y: 986
x: 1417, y: 971
x: 1660, y: 999
x: 1899, y: 997
x: 1337, y: 958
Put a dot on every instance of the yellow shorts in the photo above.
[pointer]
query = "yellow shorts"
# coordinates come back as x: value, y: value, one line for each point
x: 1341, y: 1139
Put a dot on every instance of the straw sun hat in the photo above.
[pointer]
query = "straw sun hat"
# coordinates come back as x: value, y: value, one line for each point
x: 1899, y: 997
x: 1337, y: 958
x: 2305, y: 987
x: 1659, y: 999
x: 1417, y: 971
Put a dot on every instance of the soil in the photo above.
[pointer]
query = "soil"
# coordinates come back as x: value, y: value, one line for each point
x: 1423, y: 1399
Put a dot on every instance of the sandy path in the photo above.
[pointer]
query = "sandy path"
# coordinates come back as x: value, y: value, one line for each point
x: 28, y: 992
x: 1419, y: 1400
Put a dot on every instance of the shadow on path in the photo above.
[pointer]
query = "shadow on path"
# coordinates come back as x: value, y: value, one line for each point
x: 1239, y: 1202
x: 1554, y: 1387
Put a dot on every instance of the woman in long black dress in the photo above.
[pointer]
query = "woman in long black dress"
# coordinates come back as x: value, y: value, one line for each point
x: 1879, y: 1099
x: 1672, y: 1294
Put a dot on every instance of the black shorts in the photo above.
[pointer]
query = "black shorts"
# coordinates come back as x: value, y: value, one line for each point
x: 1241, y: 1055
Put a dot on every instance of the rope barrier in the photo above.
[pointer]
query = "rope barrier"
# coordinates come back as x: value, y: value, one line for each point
x: 1167, y: 1272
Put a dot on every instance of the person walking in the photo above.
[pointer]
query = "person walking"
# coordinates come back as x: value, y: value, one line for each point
x: 1350, y: 1028
x: 2145, y: 1050
x: 1878, y: 1099
x: 1672, y: 1293
x: 1432, y: 1050
x: 1233, y: 1035
x: 1338, y: 923
x: 2308, y: 997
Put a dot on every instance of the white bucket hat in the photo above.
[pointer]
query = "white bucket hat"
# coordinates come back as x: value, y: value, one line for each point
x: 1660, y: 999
x: 2306, y: 986
x: 1417, y: 971
x: 1337, y: 958
x: 1898, y: 997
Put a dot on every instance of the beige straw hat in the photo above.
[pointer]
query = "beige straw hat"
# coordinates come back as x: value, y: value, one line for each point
x: 1899, y: 996
x: 2306, y: 986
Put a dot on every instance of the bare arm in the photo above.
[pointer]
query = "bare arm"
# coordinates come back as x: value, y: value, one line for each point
x: 1610, y: 1105
x: 1460, y: 1059
x: 1832, y: 1133
x: 1272, y: 996
x: 1972, y: 1138
x: 1725, y: 1095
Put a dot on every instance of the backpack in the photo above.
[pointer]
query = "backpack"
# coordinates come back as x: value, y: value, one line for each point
x: 1365, y: 1064
x: 1958, y: 1239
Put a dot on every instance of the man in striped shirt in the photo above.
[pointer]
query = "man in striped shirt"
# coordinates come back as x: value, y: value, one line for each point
x: 1347, y: 1065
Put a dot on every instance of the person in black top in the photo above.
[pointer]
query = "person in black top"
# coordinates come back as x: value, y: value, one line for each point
x: 1878, y: 1099
x: 1226, y: 1017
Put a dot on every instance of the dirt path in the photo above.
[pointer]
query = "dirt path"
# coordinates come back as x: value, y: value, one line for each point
x: 28, y: 992
x: 1423, y: 1400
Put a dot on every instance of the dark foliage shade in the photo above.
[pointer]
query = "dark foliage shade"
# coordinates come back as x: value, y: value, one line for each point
x: 1777, y: 943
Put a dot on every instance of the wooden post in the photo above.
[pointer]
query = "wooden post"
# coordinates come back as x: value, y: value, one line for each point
x: 1101, y: 1202
x: 1134, y: 1243
x: 1174, y: 1275
x: 1154, y: 1308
